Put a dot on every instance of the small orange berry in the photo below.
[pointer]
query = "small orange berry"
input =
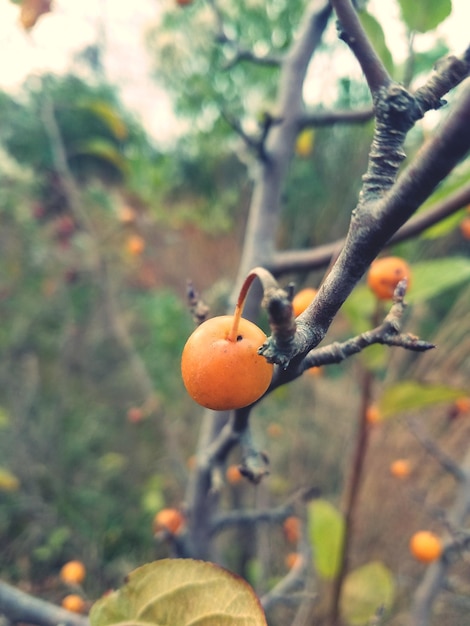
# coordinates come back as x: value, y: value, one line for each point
x: 400, y: 468
x: 221, y: 372
x: 73, y: 573
x: 135, y: 414
x: 135, y: 245
x: 233, y: 475
x: 462, y: 405
x: 385, y: 274
x: 302, y: 300
x: 373, y: 415
x: 292, y: 559
x: 315, y: 371
x: 74, y: 603
x: 169, y: 520
x: 425, y: 546
x: 465, y: 227
x: 274, y: 430
x: 291, y: 528
x: 127, y: 215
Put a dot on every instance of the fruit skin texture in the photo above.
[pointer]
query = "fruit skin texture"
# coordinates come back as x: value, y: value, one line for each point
x: 302, y: 299
x: 74, y: 603
x: 73, y: 573
x: 222, y: 374
x: 170, y: 520
x: 385, y: 274
x: 425, y: 546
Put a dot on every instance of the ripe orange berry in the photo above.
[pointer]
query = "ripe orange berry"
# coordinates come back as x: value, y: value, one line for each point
x: 465, y: 227
x: 222, y: 373
x: 302, y: 299
x: 462, y: 405
x: 274, y: 430
x: 292, y: 559
x: 425, y: 546
x: 400, y: 468
x: 373, y: 415
x: 135, y: 245
x: 291, y: 528
x: 385, y: 274
x: 233, y: 474
x: 73, y: 573
x: 170, y: 520
x: 74, y: 603
x: 315, y: 371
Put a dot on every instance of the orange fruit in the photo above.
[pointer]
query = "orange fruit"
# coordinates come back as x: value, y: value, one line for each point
x: 274, y: 430
x: 465, y: 227
x: 135, y: 414
x: 425, y: 546
x: 302, y: 299
x: 233, y: 474
x: 385, y: 274
x: 291, y: 528
x: 135, y: 245
x: 400, y: 468
x: 222, y: 373
x: 73, y: 573
x: 74, y: 603
x: 373, y: 414
x: 315, y: 371
x: 169, y: 520
x: 462, y: 405
x: 293, y: 559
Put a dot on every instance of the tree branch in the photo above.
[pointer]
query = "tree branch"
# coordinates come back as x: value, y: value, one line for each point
x: 435, y: 576
x: 339, y: 116
x: 352, y: 33
x: 286, y: 262
x: 20, y: 607
x: 374, y: 222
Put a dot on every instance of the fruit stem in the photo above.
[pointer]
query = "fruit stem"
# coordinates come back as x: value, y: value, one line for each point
x: 267, y: 281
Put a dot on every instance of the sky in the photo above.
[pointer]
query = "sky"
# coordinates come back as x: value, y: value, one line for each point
x: 73, y: 25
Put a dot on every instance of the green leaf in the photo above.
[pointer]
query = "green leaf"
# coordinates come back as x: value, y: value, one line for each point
x: 103, y: 150
x: 366, y: 589
x: 412, y: 396
x: 376, y: 36
x: 359, y: 308
x: 107, y: 115
x: 326, y: 532
x: 433, y: 278
x: 180, y: 592
x: 424, y: 15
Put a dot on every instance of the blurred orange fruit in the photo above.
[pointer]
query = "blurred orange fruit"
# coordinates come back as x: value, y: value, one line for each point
x: 74, y: 603
x: 170, y: 520
x: 73, y: 573
x: 425, y: 546
x: 385, y: 274
x: 400, y: 468
x: 302, y: 299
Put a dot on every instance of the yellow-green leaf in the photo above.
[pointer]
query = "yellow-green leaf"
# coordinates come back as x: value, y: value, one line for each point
x: 8, y: 481
x: 412, y: 396
x: 365, y: 591
x: 103, y: 150
x: 424, y: 15
x: 108, y: 116
x: 433, y: 278
x: 180, y: 592
x: 326, y: 532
